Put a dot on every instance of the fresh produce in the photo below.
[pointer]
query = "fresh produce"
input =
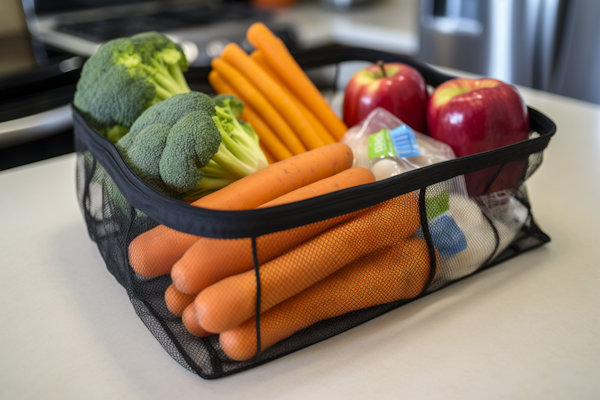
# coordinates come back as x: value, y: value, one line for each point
x: 477, y: 115
x: 210, y: 260
x: 344, y: 180
x: 396, y: 87
x: 190, y: 322
x: 259, y: 103
x: 187, y: 146
x: 281, y: 178
x: 267, y: 137
x: 270, y: 158
x: 154, y: 252
x: 325, y: 136
x: 283, y: 64
x: 390, y: 274
x: 240, y: 60
x: 125, y: 77
x: 286, y: 117
x: 231, y: 301
x: 177, y: 301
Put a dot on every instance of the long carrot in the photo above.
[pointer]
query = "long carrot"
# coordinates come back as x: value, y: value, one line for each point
x: 290, y: 72
x: 210, y: 260
x: 258, y: 102
x: 391, y: 274
x: 345, y: 179
x: 267, y: 137
x: 177, y: 301
x: 325, y: 136
x: 190, y: 322
x: 154, y: 252
x: 269, y: 156
x: 231, y: 301
x: 240, y: 60
x: 280, y: 178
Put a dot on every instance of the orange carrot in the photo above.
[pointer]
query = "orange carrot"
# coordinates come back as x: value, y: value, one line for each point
x: 177, y: 301
x: 154, y: 252
x: 240, y: 60
x: 290, y: 72
x: 391, y: 274
x: 280, y: 178
x: 231, y: 301
x: 210, y: 260
x: 270, y: 158
x: 258, y: 102
x: 191, y: 323
x: 325, y: 136
x: 267, y: 137
x: 345, y: 179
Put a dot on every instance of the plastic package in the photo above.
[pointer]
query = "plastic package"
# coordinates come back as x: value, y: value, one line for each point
x: 487, y: 230
x: 431, y: 151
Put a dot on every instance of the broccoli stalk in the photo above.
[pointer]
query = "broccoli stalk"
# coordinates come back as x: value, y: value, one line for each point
x: 125, y: 77
x: 186, y: 147
x: 239, y: 154
x: 166, y: 74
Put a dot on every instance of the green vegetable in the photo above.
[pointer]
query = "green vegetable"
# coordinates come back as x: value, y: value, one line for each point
x: 125, y: 77
x: 186, y: 147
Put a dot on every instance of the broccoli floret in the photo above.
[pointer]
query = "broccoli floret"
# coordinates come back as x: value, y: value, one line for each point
x: 186, y: 147
x: 125, y: 77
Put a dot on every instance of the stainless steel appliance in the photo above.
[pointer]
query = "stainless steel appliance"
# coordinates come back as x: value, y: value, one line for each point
x: 201, y: 27
x: 551, y: 45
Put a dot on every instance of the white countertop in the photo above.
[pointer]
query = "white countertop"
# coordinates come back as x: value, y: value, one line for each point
x: 526, y: 329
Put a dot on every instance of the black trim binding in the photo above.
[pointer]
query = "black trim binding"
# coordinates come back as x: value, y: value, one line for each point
x: 427, y: 237
x: 241, y: 224
x: 258, y: 299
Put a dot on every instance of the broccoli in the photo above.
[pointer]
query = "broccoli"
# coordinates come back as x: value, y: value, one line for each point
x: 187, y: 147
x: 125, y: 77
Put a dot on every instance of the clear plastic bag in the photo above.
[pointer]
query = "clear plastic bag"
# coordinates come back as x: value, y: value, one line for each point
x: 431, y: 151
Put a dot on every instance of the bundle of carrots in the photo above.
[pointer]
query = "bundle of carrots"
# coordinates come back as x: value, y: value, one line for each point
x: 285, y: 108
x: 307, y: 274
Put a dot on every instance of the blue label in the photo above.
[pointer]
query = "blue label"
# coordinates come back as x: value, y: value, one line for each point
x: 405, y: 142
x: 446, y: 236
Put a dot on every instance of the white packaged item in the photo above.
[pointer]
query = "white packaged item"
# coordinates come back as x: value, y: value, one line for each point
x: 482, y: 245
x: 388, y: 147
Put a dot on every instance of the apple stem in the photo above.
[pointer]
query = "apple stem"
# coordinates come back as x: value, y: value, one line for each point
x: 380, y: 63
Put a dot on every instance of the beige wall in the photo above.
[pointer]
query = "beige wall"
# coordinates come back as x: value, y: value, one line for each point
x: 12, y: 20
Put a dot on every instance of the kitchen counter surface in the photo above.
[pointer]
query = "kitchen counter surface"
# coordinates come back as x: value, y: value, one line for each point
x: 527, y: 328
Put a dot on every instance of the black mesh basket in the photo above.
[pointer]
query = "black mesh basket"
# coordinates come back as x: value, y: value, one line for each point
x: 293, y: 275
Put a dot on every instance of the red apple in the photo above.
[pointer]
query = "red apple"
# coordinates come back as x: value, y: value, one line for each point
x: 477, y: 115
x: 397, y: 87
